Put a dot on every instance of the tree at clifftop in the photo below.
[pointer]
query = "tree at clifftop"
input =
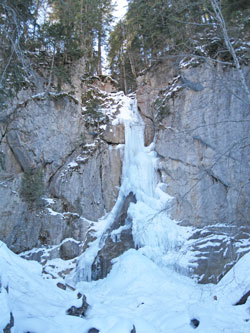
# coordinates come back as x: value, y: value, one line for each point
x: 157, y: 29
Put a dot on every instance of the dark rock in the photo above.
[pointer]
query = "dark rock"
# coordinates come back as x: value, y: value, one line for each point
x: 93, y: 134
x: 8, y: 327
x: 133, y: 329
x: 69, y: 250
x: 195, y: 86
x: 61, y: 286
x: 114, y: 246
x: 243, y: 299
x: 194, y: 323
x: 79, y: 295
x: 93, y: 330
x: 78, y: 312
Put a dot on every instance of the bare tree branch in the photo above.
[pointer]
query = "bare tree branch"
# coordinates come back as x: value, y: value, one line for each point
x: 221, y: 21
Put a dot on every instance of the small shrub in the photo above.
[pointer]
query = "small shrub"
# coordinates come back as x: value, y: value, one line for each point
x: 32, y: 186
x: 93, y: 108
x: 162, y: 108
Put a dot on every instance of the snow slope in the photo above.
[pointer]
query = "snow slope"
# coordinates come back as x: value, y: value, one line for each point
x: 37, y: 304
x: 137, y: 293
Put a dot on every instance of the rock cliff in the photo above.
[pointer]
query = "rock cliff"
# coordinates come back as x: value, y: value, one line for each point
x: 199, y: 120
x: 61, y: 164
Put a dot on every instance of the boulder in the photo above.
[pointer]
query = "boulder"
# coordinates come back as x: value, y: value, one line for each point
x: 194, y: 322
x: 93, y: 330
x: 69, y: 250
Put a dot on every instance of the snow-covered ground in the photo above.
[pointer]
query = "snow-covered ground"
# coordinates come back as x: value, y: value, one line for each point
x: 143, y: 289
x: 136, y: 292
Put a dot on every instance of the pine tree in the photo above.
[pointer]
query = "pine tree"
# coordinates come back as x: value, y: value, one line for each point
x: 15, y: 22
x: 157, y: 29
x: 76, y: 26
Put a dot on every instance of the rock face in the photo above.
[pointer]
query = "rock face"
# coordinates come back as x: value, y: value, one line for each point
x: 55, y: 175
x: 61, y: 165
x: 149, y: 86
x: 202, y: 139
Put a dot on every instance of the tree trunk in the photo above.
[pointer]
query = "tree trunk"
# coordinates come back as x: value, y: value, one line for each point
x: 124, y: 73
x: 132, y: 64
x: 99, y: 56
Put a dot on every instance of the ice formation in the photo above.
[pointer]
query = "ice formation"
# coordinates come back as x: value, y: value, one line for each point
x: 154, y: 233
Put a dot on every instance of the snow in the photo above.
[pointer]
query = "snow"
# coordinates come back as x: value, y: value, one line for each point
x: 49, y: 201
x: 72, y: 164
x: 53, y: 213
x: 37, y: 304
x: 5, y: 311
x: 137, y: 292
x: 143, y: 289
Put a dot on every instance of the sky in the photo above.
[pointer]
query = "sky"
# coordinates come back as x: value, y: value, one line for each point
x: 121, y: 8
x: 119, y: 12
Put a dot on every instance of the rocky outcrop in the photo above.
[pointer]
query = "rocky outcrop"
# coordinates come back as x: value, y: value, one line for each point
x: 8, y: 327
x: 48, y: 149
x: 104, y: 82
x: 117, y: 239
x: 93, y: 330
x: 79, y: 311
x: 201, y: 123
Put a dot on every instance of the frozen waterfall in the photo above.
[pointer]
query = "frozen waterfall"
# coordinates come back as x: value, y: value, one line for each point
x: 154, y: 233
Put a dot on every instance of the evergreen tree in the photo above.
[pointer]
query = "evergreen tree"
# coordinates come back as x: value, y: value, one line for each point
x: 104, y: 17
x: 156, y: 29
x: 15, y: 22
x: 77, y: 26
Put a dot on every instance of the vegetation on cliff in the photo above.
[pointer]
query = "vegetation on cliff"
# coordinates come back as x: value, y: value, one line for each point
x: 49, y: 35
x: 155, y: 29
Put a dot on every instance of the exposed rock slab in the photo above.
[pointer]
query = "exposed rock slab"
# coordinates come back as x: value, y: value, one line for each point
x: 116, y: 241
x: 114, y: 134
